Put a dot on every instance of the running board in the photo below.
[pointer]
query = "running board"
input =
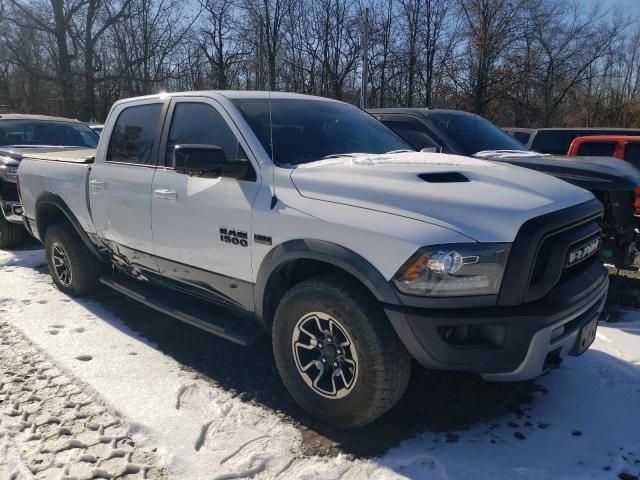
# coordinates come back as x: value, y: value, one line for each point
x: 235, y: 327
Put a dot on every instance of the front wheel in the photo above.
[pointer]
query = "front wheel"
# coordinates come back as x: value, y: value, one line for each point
x: 73, y: 268
x: 337, y: 353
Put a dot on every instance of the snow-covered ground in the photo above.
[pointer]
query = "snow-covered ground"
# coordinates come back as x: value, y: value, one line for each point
x: 582, y: 423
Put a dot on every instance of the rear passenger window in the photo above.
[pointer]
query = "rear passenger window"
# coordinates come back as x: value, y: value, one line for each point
x: 134, y: 134
x: 199, y: 123
x: 597, y: 149
x: 632, y: 154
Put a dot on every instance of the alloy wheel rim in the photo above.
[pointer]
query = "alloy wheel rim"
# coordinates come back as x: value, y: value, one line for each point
x: 325, y: 355
x: 61, y: 265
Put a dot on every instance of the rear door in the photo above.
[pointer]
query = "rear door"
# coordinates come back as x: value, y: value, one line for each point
x: 202, y: 226
x: 120, y: 185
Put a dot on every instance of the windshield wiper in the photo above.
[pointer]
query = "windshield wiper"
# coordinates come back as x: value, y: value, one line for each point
x: 399, y: 151
x: 336, y: 155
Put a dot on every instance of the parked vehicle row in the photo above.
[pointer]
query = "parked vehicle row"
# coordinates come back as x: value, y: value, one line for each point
x: 318, y: 224
x: 611, y: 181
x: 19, y: 136
x: 556, y: 141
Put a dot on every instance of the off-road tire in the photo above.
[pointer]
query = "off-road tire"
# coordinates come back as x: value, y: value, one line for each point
x: 384, y: 365
x: 85, y: 267
x: 11, y: 234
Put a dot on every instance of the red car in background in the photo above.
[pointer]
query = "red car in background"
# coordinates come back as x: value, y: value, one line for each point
x: 624, y: 147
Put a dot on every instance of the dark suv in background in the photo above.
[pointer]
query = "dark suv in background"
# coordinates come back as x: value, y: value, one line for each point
x: 19, y: 136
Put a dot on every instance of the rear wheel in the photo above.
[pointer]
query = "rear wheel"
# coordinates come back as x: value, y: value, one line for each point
x: 337, y: 353
x: 11, y: 234
x: 73, y: 268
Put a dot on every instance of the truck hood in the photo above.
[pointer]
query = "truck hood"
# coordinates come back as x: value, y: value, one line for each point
x: 486, y: 201
x: 592, y: 173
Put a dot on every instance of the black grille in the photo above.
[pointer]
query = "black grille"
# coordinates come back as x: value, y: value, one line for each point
x: 538, y: 255
x: 551, y: 266
x: 542, y: 260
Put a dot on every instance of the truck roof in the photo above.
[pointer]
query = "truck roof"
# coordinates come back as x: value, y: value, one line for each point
x: 417, y: 110
x: 44, y: 118
x: 591, y: 130
x: 230, y: 94
x: 607, y: 138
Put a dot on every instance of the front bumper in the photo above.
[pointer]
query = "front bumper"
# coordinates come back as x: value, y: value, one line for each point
x: 504, y: 343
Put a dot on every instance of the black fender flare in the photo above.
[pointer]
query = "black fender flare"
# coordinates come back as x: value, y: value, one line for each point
x: 331, y: 253
x: 49, y: 198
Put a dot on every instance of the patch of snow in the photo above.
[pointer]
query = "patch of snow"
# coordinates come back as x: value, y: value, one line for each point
x: 586, y: 427
x: 402, y: 158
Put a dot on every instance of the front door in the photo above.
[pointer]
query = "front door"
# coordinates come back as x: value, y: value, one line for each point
x: 202, y: 226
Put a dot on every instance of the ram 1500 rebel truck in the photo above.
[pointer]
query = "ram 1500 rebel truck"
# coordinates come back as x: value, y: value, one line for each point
x: 314, y: 222
x: 462, y: 133
x: 23, y: 134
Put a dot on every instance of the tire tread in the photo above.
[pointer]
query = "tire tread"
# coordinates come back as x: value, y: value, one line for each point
x: 391, y: 360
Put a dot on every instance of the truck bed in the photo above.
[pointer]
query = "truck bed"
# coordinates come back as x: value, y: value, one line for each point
x: 69, y: 155
x: 62, y: 173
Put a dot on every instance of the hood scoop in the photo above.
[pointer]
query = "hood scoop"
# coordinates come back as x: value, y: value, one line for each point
x: 443, y: 177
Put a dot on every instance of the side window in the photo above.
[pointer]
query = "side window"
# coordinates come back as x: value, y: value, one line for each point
x: 632, y: 154
x: 522, y: 137
x: 199, y: 123
x: 597, y: 149
x: 134, y: 134
x: 411, y: 134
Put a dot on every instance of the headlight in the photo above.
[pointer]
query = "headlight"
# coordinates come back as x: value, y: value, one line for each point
x: 454, y: 270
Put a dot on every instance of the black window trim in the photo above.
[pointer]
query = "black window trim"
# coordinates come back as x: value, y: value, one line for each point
x: 154, y: 151
x: 162, y: 153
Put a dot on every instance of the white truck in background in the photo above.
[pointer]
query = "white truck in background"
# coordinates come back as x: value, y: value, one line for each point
x: 316, y: 223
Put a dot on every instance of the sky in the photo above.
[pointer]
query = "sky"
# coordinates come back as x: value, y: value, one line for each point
x: 627, y: 6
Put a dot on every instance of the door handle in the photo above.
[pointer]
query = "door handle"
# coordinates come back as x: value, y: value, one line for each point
x: 165, y: 194
x: 98, y: 184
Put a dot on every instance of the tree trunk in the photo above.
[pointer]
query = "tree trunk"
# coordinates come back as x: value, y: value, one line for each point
x: 65, y: 76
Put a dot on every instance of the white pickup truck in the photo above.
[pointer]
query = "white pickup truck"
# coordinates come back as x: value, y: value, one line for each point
x: 316, y: 223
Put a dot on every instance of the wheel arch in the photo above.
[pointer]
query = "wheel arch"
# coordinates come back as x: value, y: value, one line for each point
x: 52, y: 209
x: 281, y: 269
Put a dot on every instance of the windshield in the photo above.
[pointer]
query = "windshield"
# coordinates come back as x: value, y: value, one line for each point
x: 49, y: 133
x: 473, y: 134
x: 306, y: 130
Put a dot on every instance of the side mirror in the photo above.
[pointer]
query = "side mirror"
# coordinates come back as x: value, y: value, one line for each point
x: 437, y: 149
x: 208, y: 161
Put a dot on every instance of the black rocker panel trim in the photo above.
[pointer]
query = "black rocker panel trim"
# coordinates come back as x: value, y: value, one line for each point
x: 187, y: 279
